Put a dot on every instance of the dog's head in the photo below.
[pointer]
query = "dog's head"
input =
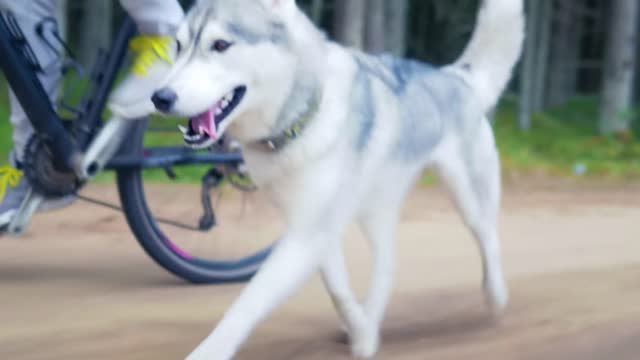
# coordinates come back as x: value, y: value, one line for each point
x: 236, y: 60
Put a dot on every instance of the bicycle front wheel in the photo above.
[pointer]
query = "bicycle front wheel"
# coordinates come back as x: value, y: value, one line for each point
x: 232, y: 251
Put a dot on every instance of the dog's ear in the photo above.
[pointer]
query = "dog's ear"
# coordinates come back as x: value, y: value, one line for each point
x: 280, y: 6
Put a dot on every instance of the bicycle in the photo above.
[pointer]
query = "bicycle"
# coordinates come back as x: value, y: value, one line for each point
x: 67, y: 153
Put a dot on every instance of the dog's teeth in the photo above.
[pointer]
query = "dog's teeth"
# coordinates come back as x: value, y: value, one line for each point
x: 201, y: 131
x: 218, y: 111
x: 192, y: 137
x: 183, y: 129
x: 225, y: 103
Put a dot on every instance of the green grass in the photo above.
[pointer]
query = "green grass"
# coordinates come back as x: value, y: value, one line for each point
x: 560, y: 142
x: 5, y: 126
x: 564, y: 141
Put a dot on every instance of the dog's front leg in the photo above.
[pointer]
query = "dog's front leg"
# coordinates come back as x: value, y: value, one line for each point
x: 363, y: 333
x: 294, y: 259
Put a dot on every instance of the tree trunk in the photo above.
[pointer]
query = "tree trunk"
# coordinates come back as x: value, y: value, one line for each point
x: 317, y: 10
x: 565, y: 53
x: 637, y: 80
x: 96, y: 29
x: 62, y: 18
x: 397, y: 25
x: 376, y: 27
x: 528, y: 68
x: 349, y: 22
x: 542, y: 53
x: 617, y: 95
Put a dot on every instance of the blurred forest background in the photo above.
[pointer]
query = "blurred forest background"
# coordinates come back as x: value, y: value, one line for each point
x: 572, y: 109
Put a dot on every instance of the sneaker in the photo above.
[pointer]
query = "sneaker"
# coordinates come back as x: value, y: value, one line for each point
x: 154, y: 57
x: 13, y: 190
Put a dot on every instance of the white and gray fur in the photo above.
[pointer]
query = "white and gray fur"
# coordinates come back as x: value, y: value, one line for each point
x: 381, y: 122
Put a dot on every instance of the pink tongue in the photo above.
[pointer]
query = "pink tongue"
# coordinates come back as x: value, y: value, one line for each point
x: 207, y: 122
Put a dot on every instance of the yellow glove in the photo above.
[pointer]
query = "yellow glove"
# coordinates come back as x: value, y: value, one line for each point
x: 149, y: 51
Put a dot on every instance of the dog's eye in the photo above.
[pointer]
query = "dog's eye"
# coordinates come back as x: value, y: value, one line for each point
x: 221, y: 45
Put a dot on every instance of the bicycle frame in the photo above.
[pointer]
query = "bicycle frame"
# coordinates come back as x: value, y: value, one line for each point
x: 27, y: 87
x: 68, y: 151
x: 83, y: 147
x: 90, y: 147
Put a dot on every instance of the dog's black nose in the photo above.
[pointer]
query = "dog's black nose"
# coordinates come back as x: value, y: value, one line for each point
x: 164, y: 99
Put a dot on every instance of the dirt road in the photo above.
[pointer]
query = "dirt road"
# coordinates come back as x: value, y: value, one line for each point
x: 77, y: 286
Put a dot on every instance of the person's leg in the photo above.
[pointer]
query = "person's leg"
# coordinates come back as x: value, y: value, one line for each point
x: 13, y: 186
x: 155, y: 17
x: 28, y: 14
x: 157, y: 21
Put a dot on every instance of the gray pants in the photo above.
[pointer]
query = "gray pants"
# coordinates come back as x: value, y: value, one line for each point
x: 153, y: 17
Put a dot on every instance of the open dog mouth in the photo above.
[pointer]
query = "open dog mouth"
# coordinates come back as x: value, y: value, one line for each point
x: 202, y: 131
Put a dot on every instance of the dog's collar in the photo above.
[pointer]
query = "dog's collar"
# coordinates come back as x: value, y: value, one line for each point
x: 278, y: 142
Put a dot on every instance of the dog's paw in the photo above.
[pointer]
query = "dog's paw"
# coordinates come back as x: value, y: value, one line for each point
x: 342, y: 336
x: 195, y: 356
x: 497, y: 296
x: 208, y: 352
x: 365, y: 341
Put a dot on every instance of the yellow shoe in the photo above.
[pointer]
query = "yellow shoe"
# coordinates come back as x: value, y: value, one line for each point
x: 154, y: 57
x: 14, y: 187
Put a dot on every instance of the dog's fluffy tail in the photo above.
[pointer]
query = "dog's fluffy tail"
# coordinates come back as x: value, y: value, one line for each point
x: 488, y: 61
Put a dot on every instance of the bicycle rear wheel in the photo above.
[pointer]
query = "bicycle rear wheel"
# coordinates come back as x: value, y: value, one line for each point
x: 232, y: 251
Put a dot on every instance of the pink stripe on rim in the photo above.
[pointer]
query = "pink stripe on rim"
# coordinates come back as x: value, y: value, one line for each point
x: 179, y: 251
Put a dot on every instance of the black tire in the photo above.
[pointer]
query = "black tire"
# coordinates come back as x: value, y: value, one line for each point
x: 155, y: 243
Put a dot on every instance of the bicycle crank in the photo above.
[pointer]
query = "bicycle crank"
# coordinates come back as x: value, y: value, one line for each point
x: 22, y: 218
x: 47, y: 181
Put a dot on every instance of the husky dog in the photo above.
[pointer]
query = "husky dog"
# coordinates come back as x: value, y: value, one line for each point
x: 336, y: 136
